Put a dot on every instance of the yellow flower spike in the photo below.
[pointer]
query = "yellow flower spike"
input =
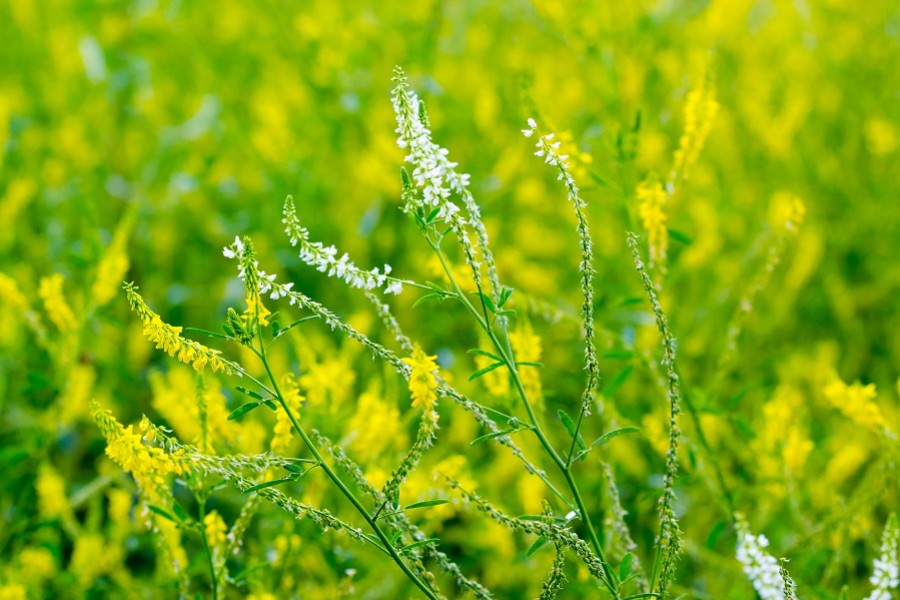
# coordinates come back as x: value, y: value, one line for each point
x: 699, y: 112
x: 422, y: 381
x: 374, y: 427
x: 51, y: 292
x: 256, y: 310
x: 215, y: 528
x: 51, y: 491
x: 528, y: 348
x: 114, y: 264
x: 10, y: 295
x: 283, y: 426
x: 652, y: 198
x: 168, y: 337
x: 856, y: 402
x: 13, y: 591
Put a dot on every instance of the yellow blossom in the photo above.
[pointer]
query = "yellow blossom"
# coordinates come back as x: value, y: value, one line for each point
x: 51, y: 491
x: 38, y: 564
x: 93, y: 557
x: 73, y: 402
x: 51, y: 292
x: 10, y: 295
x: 281, y: 439
x: 119, y: 506
x: 786, y: 212
x: 856, y: 402
x: 375, y: 425
x: 497, y: 381
x: 110, y: 271
x: 12, y: 591
x: 699, y: 111
x: 652, y: 198
x: 328, y: 382
x: 527, y: 347
x: 422, y: 382
x: 215, y: 528
x: 256, y: 310
x: 168, y: 338
x: 148, y: 465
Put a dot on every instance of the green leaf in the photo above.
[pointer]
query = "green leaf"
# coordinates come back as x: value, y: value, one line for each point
x: 597, y: 178
x: 630, y: 301
x: 432, y: 215
x: 180, y: 512
x: 541, y: 518
x: 570, y: 427
x: 610, y: 388
x: 427, y: 503
x: 484, y: 353
x: 625, y: 566
x: 535, y: 546
x: 680, y: 237
x: 268, y: 484
x: 242, y: 410
x: 496, y: 434
x: 396, y: 537
x: 250, y: 393
x: 270, y: 404
x: 505, y: 293
x: 162, y: 513
x: 438, y: 289
x: 735, y: 400
x: 496, y: 412
x: 487, y: 301
x: 294, y: 324
x: 427, y: 542
x: 713, y: 538
x: 608, y: 436
x: 227, y: 329
x: 206, y: 332
x: 427, y: 297
x: 275, y: 329
x: 614, y: 433
x: 527, y: 363
x: 487, y: 369
x: 643, y: 595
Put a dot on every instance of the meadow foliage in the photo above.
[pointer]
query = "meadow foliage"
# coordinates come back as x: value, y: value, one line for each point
x: 478, y: 299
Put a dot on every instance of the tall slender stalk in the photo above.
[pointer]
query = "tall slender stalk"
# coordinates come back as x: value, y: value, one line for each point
x: 335, y: 478
x: 563, y: 466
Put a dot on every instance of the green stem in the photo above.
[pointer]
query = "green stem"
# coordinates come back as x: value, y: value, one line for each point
x: 341, y: 485
x: 539, y: 432
x: 214, y: 584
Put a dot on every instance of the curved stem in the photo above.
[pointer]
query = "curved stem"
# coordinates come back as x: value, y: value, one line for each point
x: 341, y: 485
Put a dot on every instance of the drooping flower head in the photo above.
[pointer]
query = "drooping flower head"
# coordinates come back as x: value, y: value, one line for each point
x: 168, y: 338
x: 324, y: 258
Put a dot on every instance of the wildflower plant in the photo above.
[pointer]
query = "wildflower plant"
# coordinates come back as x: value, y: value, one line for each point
x: 307, y: 455
x: 509, y: 395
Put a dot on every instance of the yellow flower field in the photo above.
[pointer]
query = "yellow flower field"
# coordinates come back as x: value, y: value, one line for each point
x: 526, y: 299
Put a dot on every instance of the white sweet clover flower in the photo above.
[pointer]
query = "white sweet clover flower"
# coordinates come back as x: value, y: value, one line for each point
x: 267, y: 284
x: 549, y: 151
x: 433, y: 172
x: 886, y: 573
x: 324, y: 258
x: 760, y: 567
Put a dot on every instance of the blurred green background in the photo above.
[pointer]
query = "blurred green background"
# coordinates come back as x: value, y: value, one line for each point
x: 154, y: 132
